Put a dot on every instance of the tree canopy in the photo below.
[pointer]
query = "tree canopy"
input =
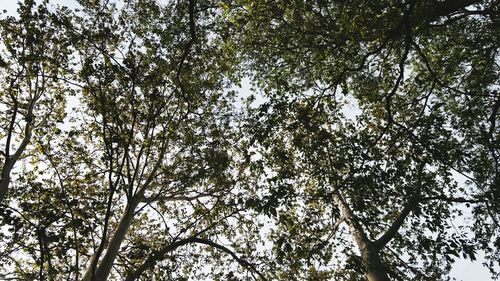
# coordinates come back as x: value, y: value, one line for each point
x: 368, y: 148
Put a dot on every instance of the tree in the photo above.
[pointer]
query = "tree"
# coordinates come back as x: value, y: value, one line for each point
x: 427, y: 102
x: 163, y: 117
x: 33, y: 56
x: 146, y: 165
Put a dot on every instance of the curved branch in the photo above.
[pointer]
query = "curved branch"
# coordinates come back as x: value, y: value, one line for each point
x: 148, y: 200
x: 154, y: 257
x: 453, y: 199
x: 414, y: 200
x: 395, y: 226
x: 10, y: 160
x: 432, y: 13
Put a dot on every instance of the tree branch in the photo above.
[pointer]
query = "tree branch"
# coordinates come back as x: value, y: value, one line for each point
x: 171, y: 198
x: 433, y: 12
x: 154, y: 257
x: 10, y: 160
x: 453, y: 199
x: 398, y: 222
x: 189, y: 45
x: 395, y: 226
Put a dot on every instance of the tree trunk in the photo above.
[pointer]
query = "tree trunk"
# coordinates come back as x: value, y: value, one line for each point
x: 372, y: 265
x: 106, y: 263
x: 5, y: 180
x: 374, y: 269
x: 10, y: 160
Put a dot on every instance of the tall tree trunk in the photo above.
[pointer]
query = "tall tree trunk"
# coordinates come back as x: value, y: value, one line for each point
x: 372, y: 265
x: 106, y: 263
x: 10, y: 160
x: 5, y: 180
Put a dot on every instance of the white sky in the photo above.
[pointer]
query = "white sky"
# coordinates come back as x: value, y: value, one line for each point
x: 462, y: 270
x: 11, y: 5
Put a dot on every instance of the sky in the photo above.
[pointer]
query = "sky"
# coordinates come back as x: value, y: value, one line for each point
x: 464, y: 270
x: 11, y: 5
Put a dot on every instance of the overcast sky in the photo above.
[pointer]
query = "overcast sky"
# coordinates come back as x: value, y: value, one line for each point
x: 463, y: 270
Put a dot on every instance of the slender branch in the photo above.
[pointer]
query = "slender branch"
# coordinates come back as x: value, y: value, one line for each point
x: 11, y: 126
x: 171, y: 198
x: 187, y: 49
x: 395, y: 226
x: 428, y: 14
x: 398, y: 222
x: 335, y: 228
x: 347, y: 214
x: 453, y: 199
x: 10, y: 160
x: 154, y: 257
x: 112, y: 187
x: 434, y: 75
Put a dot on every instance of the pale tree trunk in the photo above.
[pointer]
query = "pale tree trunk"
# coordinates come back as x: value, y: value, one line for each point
x: 105, y: 264
x: 373, y: 266
x: 10, y: 160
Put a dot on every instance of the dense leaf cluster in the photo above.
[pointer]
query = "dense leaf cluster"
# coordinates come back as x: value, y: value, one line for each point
x: 368, y: 149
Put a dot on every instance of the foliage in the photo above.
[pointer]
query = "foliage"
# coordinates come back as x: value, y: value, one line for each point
x: 427, y: 103
x: 369, y: 150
